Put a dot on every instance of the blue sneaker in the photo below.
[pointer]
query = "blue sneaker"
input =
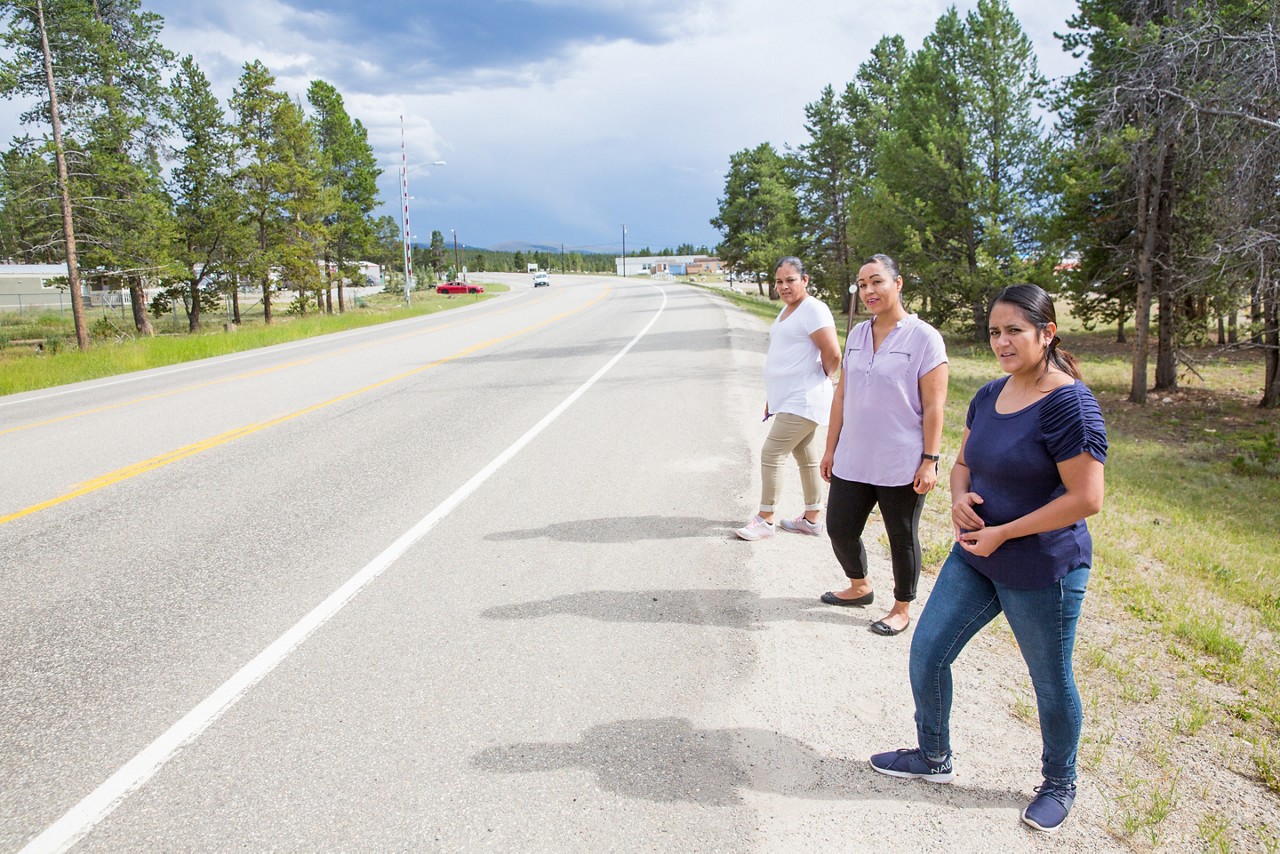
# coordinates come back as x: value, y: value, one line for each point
x: 911, y: 763
x: 1049, y: 809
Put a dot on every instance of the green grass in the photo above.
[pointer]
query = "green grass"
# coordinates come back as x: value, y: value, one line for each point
x: 114, y: 350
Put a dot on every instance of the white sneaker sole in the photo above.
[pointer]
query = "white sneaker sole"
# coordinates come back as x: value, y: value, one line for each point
x: 907, y: 775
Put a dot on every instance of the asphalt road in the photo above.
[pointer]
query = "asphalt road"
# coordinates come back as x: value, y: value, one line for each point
x: 465, y: 582
x: 456, y: 582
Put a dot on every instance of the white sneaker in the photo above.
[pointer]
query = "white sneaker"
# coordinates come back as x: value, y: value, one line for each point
x: 756, y: 529
x: 801, y: 525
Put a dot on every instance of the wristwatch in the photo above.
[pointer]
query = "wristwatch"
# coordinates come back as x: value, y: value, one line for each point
x: 932, y: 457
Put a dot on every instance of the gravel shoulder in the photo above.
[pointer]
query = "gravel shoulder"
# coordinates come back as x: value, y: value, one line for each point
x: 824, y: 693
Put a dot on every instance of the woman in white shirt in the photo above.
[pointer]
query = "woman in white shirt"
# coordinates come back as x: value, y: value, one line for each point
x: 803, y: 354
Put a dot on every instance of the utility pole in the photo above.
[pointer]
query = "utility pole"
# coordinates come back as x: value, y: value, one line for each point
x: 624, y: 250
x: 457, y: 267
x: 404, y: 198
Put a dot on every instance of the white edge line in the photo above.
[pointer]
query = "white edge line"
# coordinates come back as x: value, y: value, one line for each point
x: 102, y: 801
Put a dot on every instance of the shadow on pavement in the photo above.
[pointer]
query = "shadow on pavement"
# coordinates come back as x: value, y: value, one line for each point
x: 731, y: 609
x: 622, y: 529
x: 669, y: 760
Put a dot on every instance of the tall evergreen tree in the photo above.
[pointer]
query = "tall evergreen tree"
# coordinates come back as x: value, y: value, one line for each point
x: 254, y: 104
x: 350, y: 177
x: 436, y: 253
x: 303, y: 201
x: 1129, y: 111
x: 925, y: 166
x: 824, y: 180
x: 958, y: 166
x: 207, y: 207
x: 871, y: 102
x: 759, y: 214
x: 36, y: 33
x: 129, y: 226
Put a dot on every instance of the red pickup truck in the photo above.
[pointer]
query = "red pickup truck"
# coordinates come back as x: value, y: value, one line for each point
x: 459, y: 288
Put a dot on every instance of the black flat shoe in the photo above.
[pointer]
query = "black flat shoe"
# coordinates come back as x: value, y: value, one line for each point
x: 880, y: 627
x: 832, y: 599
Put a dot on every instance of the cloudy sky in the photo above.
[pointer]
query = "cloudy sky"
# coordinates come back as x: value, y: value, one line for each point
x: 562, y: 120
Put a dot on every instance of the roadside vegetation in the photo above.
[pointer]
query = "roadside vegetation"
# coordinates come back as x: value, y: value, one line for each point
x: 38, y: 350
x: 1178, y: 647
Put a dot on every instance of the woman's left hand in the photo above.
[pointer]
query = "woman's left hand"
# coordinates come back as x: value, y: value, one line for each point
x: 983, y: 541
x: 926, y: 477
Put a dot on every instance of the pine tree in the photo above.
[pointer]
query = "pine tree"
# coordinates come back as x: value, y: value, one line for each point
x: 207, y: 206
x: 759, y: 214
x: 254, y: 104
x: 350, y: 176
x: 958, y: 154
x: 823, y: 171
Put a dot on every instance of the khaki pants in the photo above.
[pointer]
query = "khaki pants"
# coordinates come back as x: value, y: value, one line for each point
x: 795, y: 436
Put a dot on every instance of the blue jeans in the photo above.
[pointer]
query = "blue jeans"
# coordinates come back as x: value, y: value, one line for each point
x: 1044, y: 624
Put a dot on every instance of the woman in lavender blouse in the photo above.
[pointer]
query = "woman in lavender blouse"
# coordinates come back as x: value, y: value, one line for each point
x: 883, y: 440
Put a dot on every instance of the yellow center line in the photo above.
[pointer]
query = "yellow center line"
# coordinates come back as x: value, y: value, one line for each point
x: 130, y: 471
x: 247, y: 374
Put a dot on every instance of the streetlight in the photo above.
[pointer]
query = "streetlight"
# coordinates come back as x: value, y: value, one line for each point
x: 404, y: 203
x: 457, y: 267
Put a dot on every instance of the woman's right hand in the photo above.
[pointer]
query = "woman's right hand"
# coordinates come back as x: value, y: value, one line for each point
x: 963, y: 516
x: 824, y: 467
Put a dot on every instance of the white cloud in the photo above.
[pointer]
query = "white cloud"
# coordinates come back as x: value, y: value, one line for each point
x: 564, y: 134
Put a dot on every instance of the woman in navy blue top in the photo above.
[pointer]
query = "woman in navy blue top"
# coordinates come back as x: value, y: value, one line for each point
x: 1029, y: 472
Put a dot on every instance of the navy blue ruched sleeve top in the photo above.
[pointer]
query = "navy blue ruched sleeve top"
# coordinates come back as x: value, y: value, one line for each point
x: 1013, y: 464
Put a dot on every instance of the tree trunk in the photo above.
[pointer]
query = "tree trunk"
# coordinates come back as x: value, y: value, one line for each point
x: 193, y: 313
x: 980, y: 298
x: 138, y: 301
x: 1148, y: 190
x: 1120, y: 339
x: 64, y: 184
x: 1255, y: 313
x: 327, y: 304
x: 979, y: 314
x: 1166, y: 323
x: 235, y: 301
x: 1271, y: 315
x: 1167, y: 335
x: 266, y: 299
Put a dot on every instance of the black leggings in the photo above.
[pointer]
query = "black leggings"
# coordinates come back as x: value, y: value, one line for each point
x: 850, y: 503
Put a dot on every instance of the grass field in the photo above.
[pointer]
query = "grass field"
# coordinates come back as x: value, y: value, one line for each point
x: 116, y: 350
x: 1178, y: 648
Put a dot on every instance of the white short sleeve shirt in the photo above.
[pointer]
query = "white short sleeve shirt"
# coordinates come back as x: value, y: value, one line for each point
x: 794, y: 380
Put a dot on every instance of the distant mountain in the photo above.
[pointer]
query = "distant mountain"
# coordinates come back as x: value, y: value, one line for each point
x: 510, y: 246
x: 524, y: 246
